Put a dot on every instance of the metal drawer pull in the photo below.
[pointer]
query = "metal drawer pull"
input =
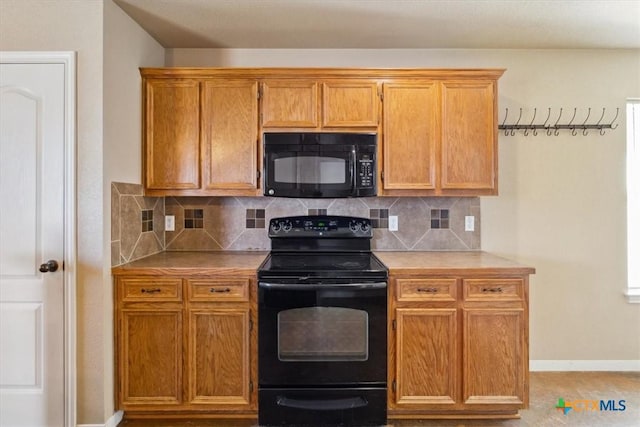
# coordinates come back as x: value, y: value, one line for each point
x: 428, y: 290
x: 150, y: 291
x: 219, y: 291
x: 493, y: 290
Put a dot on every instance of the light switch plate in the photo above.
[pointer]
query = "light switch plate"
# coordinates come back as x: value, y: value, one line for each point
x: 170, y: 223
x: 469, y: 223
x: 393, y: 223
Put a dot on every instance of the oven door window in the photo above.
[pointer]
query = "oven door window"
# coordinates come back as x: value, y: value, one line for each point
x: 323, y: 334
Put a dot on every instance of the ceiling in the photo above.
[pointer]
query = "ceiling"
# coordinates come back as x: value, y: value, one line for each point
x: 380, y: 24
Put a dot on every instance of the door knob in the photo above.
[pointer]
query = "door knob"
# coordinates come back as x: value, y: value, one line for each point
x: 49, y: 266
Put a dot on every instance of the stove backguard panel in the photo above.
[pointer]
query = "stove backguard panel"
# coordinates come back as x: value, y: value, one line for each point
x: 238, y: 223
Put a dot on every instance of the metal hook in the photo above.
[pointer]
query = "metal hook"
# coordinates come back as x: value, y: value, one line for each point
x: 556, y: 131
x: 598, y: 125
x: 526, y: 130
x: 573, y: 129
x: 584, y: 124
x: 614, y: 119
x: 548, y: 128
x: 506, y: 114
x: 513, y: 129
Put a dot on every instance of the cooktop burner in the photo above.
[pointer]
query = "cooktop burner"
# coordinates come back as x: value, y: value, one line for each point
x: 321, y: 264
x: 321, y: 247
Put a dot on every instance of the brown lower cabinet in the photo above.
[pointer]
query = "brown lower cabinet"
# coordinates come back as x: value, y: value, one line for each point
x: 458, y: 346
x: 186, y: 345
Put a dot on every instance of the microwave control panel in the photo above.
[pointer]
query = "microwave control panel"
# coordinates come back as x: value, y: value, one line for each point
x: 365, y: 171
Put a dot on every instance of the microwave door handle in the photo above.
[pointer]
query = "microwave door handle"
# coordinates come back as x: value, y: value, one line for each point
x: 352, y: 169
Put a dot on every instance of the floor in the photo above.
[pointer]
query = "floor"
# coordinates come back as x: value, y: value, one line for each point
x: 546, y: 388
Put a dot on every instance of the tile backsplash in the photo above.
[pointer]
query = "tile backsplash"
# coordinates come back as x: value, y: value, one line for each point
x: 239, y: 223
x: 137, y: 223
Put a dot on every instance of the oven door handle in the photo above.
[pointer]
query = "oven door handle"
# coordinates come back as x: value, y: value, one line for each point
x: 320, y: 286
x: 322, y: 404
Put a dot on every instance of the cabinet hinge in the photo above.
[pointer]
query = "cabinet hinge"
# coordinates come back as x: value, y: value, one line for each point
x: 250, y: 386
x: 382, y: 176
x: 250, y: 325
x: 393, y: 386
x: 258, y: 174
x: 259, y: 92
x: 393, y: 324
x: 381, y: 95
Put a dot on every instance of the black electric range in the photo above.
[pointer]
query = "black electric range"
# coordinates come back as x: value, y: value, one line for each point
x: 322, y: 310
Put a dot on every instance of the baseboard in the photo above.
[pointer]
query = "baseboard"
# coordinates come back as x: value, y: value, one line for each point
x: 113, y: 421
x: 584, y: 365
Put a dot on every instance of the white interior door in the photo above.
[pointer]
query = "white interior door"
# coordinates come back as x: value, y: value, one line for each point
x: 32, y: 154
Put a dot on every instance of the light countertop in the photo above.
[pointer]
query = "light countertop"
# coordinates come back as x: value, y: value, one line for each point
x: 470, y: 262
x: 195, y: 262
x: 247, y: 263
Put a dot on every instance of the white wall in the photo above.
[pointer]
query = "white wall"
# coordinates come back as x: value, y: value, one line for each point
x: 562, y: 205
x: 126, y: 48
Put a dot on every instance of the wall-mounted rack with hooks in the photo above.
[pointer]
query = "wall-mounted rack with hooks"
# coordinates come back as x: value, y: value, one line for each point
x: 554, y: 128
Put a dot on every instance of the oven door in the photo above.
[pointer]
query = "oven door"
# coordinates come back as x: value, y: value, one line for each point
x: 312, y: 170
x: 322, y: 334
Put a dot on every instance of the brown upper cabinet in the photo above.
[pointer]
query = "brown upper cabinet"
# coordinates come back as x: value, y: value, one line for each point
x: 172, y: 134
x: 290, y: 104
x: 200, y: 137
x: 230, y: 135
x: 469, y: 137
x: 440, y: 138
x: 410, y: 136
x: 300, y: 103
x: 350, y: 104
x: 437, y: 129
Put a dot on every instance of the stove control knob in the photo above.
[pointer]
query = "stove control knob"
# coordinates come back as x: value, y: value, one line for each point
x: 354, y: 226
x: 275, y: 227
x: 286, y: 226
x: 364, y: 227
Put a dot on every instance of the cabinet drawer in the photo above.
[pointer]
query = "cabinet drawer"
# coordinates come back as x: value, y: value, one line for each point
x: 426, y: 290
x: 151, y: 289
x: 493, y: 289
x: 218, y: 289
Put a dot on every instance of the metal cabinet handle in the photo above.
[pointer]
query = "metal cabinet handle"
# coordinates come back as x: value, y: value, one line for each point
x: 49, y: 266
x: 150, y: 291
x: 219, y: 291
x: 492, y: 290
x: 428, y: 290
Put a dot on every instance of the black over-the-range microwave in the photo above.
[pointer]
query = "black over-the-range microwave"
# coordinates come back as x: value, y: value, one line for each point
x: 318, y: 165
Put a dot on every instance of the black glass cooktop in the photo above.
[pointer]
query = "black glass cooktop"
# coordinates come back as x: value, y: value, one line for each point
x: 320, y: 265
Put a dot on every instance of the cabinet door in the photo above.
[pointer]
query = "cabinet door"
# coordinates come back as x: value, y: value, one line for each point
x: 150, y: 357
x: 350, y: 104
x: 494, y: 357
x: 426, y: 358
x: 410, y: 136
x: 290, y: 104
x: 230, y: 134
x: 469, y: 137
x: 219, y: 370
x: 172, y: 134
